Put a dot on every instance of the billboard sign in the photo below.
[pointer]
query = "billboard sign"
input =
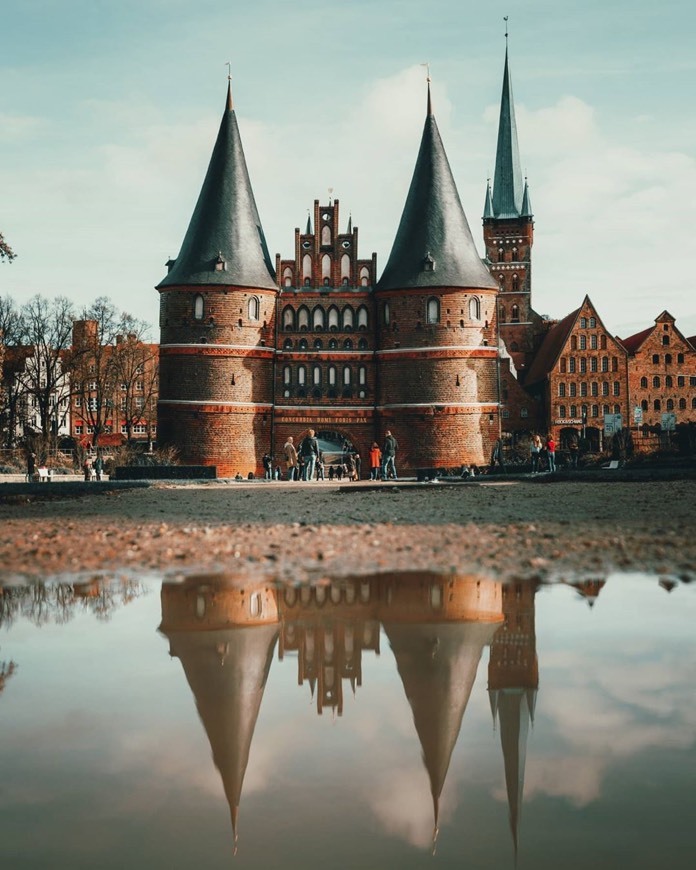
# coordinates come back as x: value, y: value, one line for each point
x: 669, y: 421
x: 612, y: 423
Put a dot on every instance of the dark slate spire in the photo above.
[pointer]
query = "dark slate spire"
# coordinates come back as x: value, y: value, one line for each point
x: 488, y: 205
x: 507, y: 182
x: 350, y: 224
x: 308, y: 231
x: 225, y: 229
x: 526, y: 202
x: 433, y: 245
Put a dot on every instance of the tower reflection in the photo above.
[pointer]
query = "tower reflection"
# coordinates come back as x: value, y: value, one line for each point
x: 224, y: 633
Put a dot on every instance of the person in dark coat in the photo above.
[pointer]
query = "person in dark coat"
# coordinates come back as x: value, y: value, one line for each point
x: 389, y: 456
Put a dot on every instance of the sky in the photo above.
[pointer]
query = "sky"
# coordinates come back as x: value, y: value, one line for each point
x: 109, y: 112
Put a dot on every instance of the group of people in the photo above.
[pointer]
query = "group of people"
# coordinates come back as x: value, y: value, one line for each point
x: 307, y: 462
x: 542, y: 452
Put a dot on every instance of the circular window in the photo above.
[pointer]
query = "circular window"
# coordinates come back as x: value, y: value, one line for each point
x: 346, y: 244
x: 306, y: 245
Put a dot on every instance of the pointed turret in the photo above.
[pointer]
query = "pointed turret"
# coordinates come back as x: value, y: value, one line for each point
x: 507, y: 182
x: 526, y: 202
x: 224, y: 243
x: 488, y: 205
x: 308, y: 230
x: 350, y: 224
x: 433, y: 245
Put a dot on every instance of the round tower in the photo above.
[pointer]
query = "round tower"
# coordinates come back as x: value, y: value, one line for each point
x: 217, y: 323
x: 437, y: 326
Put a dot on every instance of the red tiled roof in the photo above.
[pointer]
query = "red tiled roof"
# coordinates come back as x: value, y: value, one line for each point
x: 550, y: 348
x: 633, y: 342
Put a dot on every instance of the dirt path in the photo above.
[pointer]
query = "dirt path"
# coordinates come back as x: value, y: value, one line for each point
x: 294, y: 531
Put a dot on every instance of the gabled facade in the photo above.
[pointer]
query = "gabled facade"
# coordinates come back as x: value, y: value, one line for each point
x: 661, y: 375
x: 580, y: 374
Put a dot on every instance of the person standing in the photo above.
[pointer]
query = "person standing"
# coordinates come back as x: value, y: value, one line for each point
x: 87, y: 468
x: 310, y: 451
x: 358, y: 464
x: 375, y: 461
x: 535, y: 451
x: 551, y: 452
x: 99, y: 466
x: 31, y: 465
x: 267, y: 466
x: 389, y: 456
x: 290, y: 458
x: 574, y: 450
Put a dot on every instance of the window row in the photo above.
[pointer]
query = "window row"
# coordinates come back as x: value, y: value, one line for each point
x: 253, y: 308
x: 669, y: 404
x: 514, y: 282
x: 319, y: 318
x: 326, y: 271
x: 298, y: 375
x: 592, y: 389
x: 586, y: 410
x: 668, y: 356
x: 588, y: 322
x: 669, y: 381
x: 579, y: 342
x: 318, y: 344
x: 433, y: 311
x: 514, y: 314
x: 584, y: 364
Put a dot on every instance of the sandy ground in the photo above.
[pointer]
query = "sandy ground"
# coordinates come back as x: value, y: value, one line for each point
x: 525, y: 528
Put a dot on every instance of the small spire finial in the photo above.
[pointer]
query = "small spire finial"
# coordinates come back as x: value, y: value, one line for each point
x: 505, y: 19
x: 230, y: 105
x: 428, y: 80
x: 331, y: 190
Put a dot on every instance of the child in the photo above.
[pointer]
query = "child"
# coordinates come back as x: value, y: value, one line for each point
x: 375, y: 461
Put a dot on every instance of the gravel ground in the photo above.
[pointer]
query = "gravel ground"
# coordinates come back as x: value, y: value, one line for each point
x: 522, y: 528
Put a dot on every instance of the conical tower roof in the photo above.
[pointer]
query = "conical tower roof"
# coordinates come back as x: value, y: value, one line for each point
x: 225, y: 226
x: 437, y: 664
x: 433, y: 245
x: 507, y: 181
x: 227, y: 672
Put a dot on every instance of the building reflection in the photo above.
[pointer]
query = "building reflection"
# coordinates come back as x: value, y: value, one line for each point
x: 437, y: 626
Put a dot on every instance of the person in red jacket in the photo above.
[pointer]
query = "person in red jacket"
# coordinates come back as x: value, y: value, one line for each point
x: 551, y: 452
x: 375, y: 461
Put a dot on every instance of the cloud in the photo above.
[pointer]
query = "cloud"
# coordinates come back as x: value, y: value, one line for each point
x: 18, y: 129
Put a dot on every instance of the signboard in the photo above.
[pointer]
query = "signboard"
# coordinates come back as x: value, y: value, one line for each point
x: 612, y: 423
x: 638, y: 416
x: 568, y: 421
x: 669, y: 421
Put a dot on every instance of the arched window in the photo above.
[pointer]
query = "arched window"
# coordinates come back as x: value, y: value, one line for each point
x: 362, y: 376
x: 656, y: 359
x: 561, y: 411
x: 670, y: 405
x: 583, y: 323
x: 333, y: 344
x: 287, y: 276
x: 644, y: 404
x: 594, y: 388
x: 385, y: 313
x: 593, y: 364
x: 288, y: 318
x: 665, y: 340
x: 573, y: 342
x: 198, y: 307
x: 326, y: 235
x: 348, y: 344
x: 287, y: 344
x: 656, y: 405
x: 316, y: 376
x: 501, y: 255
x: 603, y: 342
x: 287, y: 375
x: 583, y: 388
x: 583, y: 364
x: 573, y: 389
x: 571, y: 365
x: 605, y: 388
x: 347, y: 375
x: 362, y: 344
x: 668, y: 359
x: 301, y: 376
x: 433, y: 310
x: 614, y: 364
x: 326, y: 268
x: 345, y: 268
x: 303, y: 318
x: 595, y: 410
x: 501, y: 281
x: 515, y: 314
x: 680, y: 358
x: 254, y: 308
x: 563, y: 365
x: 333, y: 318
x: 668, y: 381
x: 562, y: 390
x: 605, y: 363
x: 573, y: 411
x: 332, y: 376
x: 593, y: 322
x: 475, y: 309
x: 302, y: 344
x: 364, y: 276
x: 593, y: 342
x: 348, y: 317
x: 644, y: 383
x: 307, y: 267
x: 318, y: 344
x: 617, y: 388
x: 318, y: 318
x: 362, y: 317
x: 515, y: 283
x: 656, y: 382
x: 682, y: 404
x: 502, y: 314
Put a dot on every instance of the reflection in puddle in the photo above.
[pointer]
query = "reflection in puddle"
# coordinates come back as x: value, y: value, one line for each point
x: 327, y: 637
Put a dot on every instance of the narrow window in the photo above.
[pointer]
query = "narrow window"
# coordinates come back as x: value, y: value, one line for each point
x: 198, y: 308
x: 316, y: 376
x: 301, y: 376
x: 318, y: 317
x: 326, y: 267
x: 433, y: 310
x: 644, y: 383
x: 254, y: 308
x: 385, y: 314
x: 303, y: 318
x: 288, y: 318
x: 346, y: 376
x: 332, y: 376
x: 287, y: 277
x: 362, y: 317
x: 326, y: 235
x: 348, y: 317
x: 307, y: 267
x: 345, y: 268
x: 333, y: 318
x: 475, y: 309
x: 573, y: 342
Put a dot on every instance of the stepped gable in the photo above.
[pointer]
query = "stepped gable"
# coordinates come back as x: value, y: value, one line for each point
x: 224, y: 243
x: 508, y: 190
x: 433, y: 245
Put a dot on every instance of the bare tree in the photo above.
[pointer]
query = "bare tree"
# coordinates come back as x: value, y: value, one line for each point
x: 46, y: 328
x: 138, y: 372
x: 11, y: 359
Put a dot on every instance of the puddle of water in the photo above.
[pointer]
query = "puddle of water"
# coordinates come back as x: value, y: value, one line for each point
x: 366, y: 722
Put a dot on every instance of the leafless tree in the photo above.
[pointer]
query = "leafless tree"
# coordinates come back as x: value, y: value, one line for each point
x: 138, y: 371
x: 6, y: 252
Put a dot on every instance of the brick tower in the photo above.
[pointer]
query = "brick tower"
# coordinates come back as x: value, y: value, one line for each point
x: 436, y: 321
x: 217, y: 322
x: 508, y: 234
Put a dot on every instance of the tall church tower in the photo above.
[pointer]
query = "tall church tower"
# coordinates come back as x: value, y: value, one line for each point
x: 217, y: 322
x: 508, y: 234
x: 436, y: 320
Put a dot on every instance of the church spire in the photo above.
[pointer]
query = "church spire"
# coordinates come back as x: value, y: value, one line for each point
x: 507, y: 182
x: 224, y: 243
x: 433, y: 245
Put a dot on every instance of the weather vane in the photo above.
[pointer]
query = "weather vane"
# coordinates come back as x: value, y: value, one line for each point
x: 505, y: 19
x: 427, y: 67
x: 229, y: 71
